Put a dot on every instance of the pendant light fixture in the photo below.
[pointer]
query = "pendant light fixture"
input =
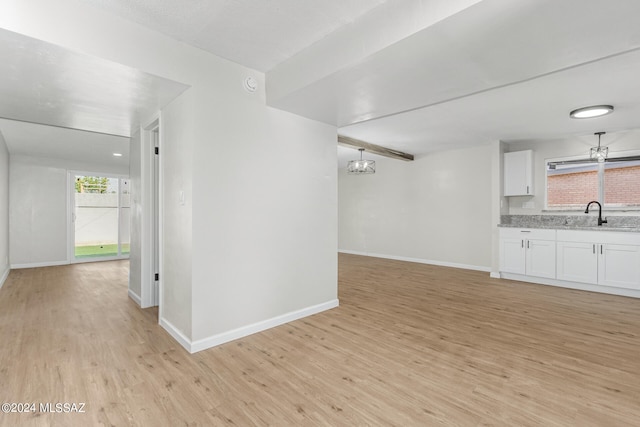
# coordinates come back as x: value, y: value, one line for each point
x: 599, y: 153
x: 359, y: 167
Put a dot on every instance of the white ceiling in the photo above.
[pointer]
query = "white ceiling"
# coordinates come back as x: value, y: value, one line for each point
x: 257, y: 33
x: 71, y: 145
x: 497, y: 70
x: 478, y: 71
x: 45, y: 84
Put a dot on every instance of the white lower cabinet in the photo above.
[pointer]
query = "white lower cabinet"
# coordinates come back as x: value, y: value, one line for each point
x: 541, y: 258
x: 528, y: 251
x: 619, y: 266
x: 599, y: 258
x: 577, y: 262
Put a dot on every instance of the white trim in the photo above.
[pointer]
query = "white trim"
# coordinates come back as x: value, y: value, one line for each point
x: 40, y: 264
x: 215, y: 340
x: 419, y: 260
x: 147, y: 196
x: 244, y: 331
x: 98, y: 259
x: 176, y: 334
x: 573, y: 285
x: 4, y: 276
x: 495, y: 275
x: 135, y: 297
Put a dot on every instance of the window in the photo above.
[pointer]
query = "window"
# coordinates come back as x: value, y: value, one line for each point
x: 614, y: 183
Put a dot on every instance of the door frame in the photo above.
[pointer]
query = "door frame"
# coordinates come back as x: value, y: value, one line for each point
x: 148, y: 295
x: 71, y: 227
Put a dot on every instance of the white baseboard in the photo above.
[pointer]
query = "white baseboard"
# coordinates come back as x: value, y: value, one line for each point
x: 176, y: 334
x: 4, y: 276
x: 573, y: 285
x: 244, y: 331
x: 40, y: 264
x: 215, y: 340
x: 419, y: 260
x: 135, y: 297
x: 495, y: 275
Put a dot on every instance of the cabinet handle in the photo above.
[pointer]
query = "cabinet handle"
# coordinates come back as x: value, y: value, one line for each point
x: 527, y: 244
x: 601, y: 249
x: 594, y: 248
x: 527, y: 189
x: 522, y: 243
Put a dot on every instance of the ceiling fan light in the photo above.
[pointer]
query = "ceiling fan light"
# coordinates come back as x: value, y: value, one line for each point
x: 592, y: 111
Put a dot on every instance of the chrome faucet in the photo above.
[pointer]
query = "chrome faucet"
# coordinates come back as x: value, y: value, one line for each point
x: 600, y: 220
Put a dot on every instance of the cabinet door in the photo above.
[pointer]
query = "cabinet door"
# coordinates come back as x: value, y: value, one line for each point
x: 577, y: 262
x: 518, y: 173
x: 619, y: 266
x: 512, y: 255
x: 541, y: 258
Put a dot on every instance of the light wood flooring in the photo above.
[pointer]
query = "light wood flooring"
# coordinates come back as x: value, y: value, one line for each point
x: 410, y: 345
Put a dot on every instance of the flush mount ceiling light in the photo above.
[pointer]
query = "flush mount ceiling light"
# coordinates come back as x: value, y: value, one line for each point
x: 599, y: 153
x: 117, y: 154
x: 359, y: 167
x: 590, y: 112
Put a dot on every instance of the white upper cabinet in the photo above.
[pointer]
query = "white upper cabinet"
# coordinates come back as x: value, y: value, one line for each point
x: 518, y: 173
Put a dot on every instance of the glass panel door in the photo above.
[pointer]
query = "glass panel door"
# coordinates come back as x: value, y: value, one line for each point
x: 101, y: 217
x: 125, y: 216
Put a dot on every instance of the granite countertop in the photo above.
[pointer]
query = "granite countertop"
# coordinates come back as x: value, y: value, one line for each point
x: 629, y: 224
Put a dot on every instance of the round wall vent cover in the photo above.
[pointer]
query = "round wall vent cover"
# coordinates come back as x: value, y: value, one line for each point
x: 250, y: 84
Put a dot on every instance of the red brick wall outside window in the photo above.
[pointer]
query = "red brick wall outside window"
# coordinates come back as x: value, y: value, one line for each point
x: 571, y: 189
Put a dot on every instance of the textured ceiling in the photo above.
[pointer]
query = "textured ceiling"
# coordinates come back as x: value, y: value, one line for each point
x: 412, y: 75
x: 67, y: 144
x: 45, y: 83
x: 255, y: 33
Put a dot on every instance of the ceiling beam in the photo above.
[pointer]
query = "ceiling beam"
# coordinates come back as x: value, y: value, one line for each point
x: 373, y: 148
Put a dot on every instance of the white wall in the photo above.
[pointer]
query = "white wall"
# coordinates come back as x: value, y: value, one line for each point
x: 38, y: 218
x: 177, y: 142
x: 266, y: 239
x: 4, y: 210
x: 544, y: 150
x: 38, y: 209
x: 135, y: 159
x: 237, y: 162
x: 436, y: 209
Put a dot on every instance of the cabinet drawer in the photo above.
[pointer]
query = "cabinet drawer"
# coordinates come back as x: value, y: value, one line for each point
x: 528, y: 233
x: 607, y: 237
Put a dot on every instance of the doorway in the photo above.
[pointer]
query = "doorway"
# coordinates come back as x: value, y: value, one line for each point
x: 155, y: 137
x: 151, y: 216
x: 100, y: 206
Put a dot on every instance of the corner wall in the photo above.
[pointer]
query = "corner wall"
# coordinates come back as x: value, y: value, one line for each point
x: 265, y: 241
x: 4, y: 210
x: 436, y: 209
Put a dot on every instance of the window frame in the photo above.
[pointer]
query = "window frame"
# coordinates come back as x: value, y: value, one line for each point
x: 614, y: 155
x: 71, y: 190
